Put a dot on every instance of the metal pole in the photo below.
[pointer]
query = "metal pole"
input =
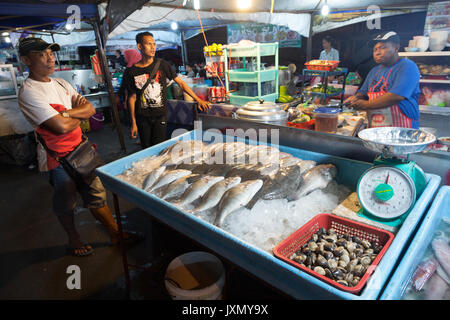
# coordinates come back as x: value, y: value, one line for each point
x: 57, y: 54
x: 108, y: 80
x: 183, y: 50
x: 309, y: 41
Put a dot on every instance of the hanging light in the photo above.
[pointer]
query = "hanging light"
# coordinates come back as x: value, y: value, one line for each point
x: 5, y: 34
x: 8, y: 40
x: 197, y: 4
x: 244, y: 4
x: 325, y: 9
x: 174, y: 25
x: 69, y: 26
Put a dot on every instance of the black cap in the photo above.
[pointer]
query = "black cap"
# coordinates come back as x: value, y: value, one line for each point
x: 35, y: 44
x: 390, y: 36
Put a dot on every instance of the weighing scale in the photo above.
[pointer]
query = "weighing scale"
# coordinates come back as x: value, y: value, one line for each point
x: 388, y: 190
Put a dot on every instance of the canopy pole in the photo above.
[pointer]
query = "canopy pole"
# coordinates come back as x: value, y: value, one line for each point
x: 183, y: 49
x: 108, y: 80
x: 309, y: 41
x: 57, y: 54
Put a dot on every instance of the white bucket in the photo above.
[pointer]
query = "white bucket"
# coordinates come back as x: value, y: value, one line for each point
x: 195, y: 275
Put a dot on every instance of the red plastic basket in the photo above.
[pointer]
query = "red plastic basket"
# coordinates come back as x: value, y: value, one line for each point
x: 329, y: 65
x: 295, y: 241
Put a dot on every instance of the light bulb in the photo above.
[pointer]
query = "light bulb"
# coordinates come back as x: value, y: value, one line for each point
x: 174, y: 25
x: 244, y: 4
x: 8, y: 40
x: 197, y: 4
x: 325, y: 10
x: 5, y: 34
x: 69, y: 26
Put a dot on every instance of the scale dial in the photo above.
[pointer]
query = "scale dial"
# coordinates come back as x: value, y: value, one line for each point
x: 386, y: 192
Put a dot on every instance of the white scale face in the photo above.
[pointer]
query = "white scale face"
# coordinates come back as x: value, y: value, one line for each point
x: 396, y: 185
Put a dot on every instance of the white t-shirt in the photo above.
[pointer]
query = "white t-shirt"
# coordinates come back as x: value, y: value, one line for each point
x: 332, y: 55
x: 38, y: 101
x: 36, y: 97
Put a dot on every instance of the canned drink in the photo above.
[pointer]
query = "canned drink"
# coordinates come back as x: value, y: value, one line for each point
x: 212, y: 95
x: 221, y: 68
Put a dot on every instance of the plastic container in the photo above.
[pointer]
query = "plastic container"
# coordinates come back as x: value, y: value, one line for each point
x: 323, y: 65
x: 399, y: 281
x: 195, y: 275
x: 326, y: 119
x: 342, y: 226
x: 201, y: 92
x: 96, y: 121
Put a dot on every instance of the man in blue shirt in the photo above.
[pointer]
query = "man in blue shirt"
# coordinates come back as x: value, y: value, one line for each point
x: 391, y: 91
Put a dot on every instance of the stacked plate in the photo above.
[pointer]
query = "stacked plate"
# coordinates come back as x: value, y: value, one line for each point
x: 262, y: 111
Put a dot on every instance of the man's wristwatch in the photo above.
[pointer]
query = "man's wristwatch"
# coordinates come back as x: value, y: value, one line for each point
x: 65, y: 114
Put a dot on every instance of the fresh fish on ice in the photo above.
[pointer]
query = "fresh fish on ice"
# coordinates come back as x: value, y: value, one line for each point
x: 305, y: 165
x: 290, y: 161
x: 177, y: 187
x: 436, y: 288
x: 152, y: 177
x: 316, y: 178
x: 168, y: 177
x: 215, y: 193
x: 279, y: 186
x: 424, y: 272
x: 197, y: 189
x: 236, y: 198
x: 219, y: 170
x: 442, y: 252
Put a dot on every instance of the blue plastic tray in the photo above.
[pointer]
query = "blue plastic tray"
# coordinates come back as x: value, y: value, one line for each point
x: 413, y: 256
x: 262, y: 264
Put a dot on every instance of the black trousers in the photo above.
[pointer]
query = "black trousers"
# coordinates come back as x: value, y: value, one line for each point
x: 152, y: 130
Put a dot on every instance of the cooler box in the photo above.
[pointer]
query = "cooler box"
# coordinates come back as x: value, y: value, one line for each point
x: 399, y: 281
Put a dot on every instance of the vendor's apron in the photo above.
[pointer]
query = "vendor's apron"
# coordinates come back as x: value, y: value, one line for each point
x: 386, y: 117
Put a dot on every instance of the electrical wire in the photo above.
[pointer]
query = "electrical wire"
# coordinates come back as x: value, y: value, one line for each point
x: 163, y: 17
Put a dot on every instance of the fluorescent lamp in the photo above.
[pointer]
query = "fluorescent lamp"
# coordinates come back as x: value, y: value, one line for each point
x: 325, y: 10
x: 244, y: 4
x: 174, y: 25
x: 5, y: 34
x: 197, y: 4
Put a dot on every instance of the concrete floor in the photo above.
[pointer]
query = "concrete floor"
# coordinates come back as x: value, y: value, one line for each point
x: 33, y: 261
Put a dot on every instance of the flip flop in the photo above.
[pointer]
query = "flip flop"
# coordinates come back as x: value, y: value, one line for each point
x: 73, y: 252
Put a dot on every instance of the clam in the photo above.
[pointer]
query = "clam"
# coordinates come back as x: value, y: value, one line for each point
x: 356, y: 239
x: 350, y: 246
x: 321, y: 231
x: 320, y: 270
x: 349, y: 277
x: 352, y: 255
x: 345, y: 258
x: 300, y: 258
x: 348, y: 237
x: 366, y: 260
x: 378, y: 249
x: 308, y: 260
x: 313, y: 258
x: 293, y: 256
x: 342, y: 264
x: 321, y: 261
x: 332, y: 264
x: 329, y: 239
x: 343, y: 282
x: 338, y: 274
x: 368, y: 251
x: 328, y: 255
x: 315, y: 237
x: 307, y: 251
x: 339, y: 251
x: 321, y: 247
x: 359, y: 270
x: 312, y: 246
x: 366, y: 244
x: 355, y: 280
x: 328, y: 273
x: 329, y: 246
x: 341, y: 242
x: 359, y: 252
x: 331, y: 231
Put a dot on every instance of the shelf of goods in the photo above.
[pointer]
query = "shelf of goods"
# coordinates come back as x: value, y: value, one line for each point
x: 405, y: 274
x: 264, y: 82
x: 325, y: 74
x: 261, y: 263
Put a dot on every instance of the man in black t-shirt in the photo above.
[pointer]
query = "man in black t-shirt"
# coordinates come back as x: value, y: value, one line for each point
x: 147, y: 102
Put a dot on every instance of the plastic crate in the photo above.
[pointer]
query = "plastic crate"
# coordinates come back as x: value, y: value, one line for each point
x: 413, y: 256
x: 265, y: 49
x: 241, y: 100
x: 241, y: 75
x: 316, y: 65
x: 342, y: 226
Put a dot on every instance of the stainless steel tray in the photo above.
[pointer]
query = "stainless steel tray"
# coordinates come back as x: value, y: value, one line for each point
x: 391, y: 141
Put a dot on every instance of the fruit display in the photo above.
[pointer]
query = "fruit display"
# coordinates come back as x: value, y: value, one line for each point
x: 213, y: 50
x: 285, y: 98
x: 330, y: 89
x: 323, y: 65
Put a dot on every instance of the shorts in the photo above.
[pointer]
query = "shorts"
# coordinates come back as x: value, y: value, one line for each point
x: 65, y: 192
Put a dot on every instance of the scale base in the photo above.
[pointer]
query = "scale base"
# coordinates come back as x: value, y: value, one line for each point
x: 396, y: 223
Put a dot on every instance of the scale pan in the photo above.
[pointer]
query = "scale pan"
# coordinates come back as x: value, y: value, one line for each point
x: 391, y: 141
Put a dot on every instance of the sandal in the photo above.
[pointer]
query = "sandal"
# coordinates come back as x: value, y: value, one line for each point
x: 73, y: 251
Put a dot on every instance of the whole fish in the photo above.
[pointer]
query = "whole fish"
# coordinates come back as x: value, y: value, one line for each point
x: 183, y: 146
x: 152, y: 177
x: 197, y: 189
x: 442, y: 252
x: 305, y: 165
x: 290, y: 161
x: 219, y: 170
x: 316, y: 178
x: 435, y: 288
x: 424, y: 272
x: 215, y: 193
x: 168, y: 177
x: 236, y: 198
x: 177, y: 187
x: 279, y: 185
x: 239, y: 170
